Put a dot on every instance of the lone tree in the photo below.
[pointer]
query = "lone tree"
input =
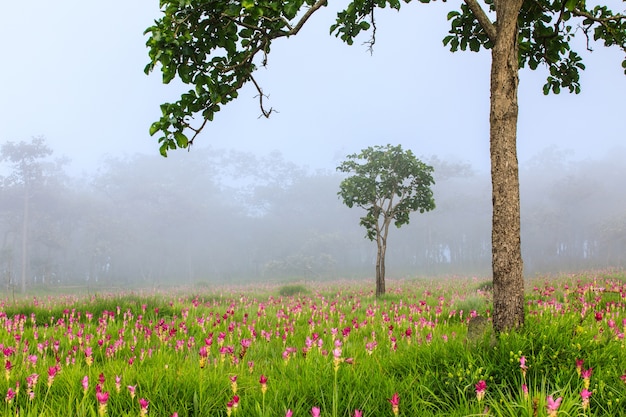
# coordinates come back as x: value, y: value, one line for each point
x: 217, y: 45
x: 389, y: 184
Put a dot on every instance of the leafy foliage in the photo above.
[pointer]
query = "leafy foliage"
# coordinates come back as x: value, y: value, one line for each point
x: 213, y: 45
x: 387, y: 182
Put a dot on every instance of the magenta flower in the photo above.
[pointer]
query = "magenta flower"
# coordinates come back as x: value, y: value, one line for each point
x: 10, y: 396
x: 585, y: 394
x: 143, y: 404
x: 586, y: 375
x: 131, y: 390
x: 102, y: 397
x: 85, y: 383
x: 553, y: 405
x: 52, y: 373
x: 395, y: 403
x: 522, y: 365
x: 232, y: 405
x: 579, y: 366
x: 263, y: 382
x: 315, y: 412
x: 481, y: 388
x: 289, y: 413
x: 358, y: 413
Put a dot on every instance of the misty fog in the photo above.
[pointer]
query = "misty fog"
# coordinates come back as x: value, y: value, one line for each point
x: 217, y: 216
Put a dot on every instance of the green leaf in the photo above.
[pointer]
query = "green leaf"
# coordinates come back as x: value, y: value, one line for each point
x: 247, y: 4
x: 571, y: 4
x: 181, y: 140
x: 155, y: 127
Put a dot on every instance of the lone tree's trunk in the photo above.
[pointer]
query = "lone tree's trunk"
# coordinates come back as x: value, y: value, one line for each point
x: 381, y: 243
x: 508, y: 280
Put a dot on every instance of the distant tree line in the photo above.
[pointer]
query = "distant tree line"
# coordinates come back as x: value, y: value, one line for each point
x: 224, y: 216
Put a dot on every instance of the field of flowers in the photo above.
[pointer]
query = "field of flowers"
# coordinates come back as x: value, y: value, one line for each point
x: 320, y: 350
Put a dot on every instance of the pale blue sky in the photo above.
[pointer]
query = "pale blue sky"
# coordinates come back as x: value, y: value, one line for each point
x: 73, y: 72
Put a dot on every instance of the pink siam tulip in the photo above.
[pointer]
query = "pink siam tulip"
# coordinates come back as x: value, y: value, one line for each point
x: 585, y: 395
x: 579, y: 366
x: 143, y: 404
x: 103, y: 398
x: 85, y: 384
x: 204, y: 353
x: 395, y: 403
x: 7, y: 369
x: 315, y: 412
x: 481, y: 388
x: 131, y: 390
x: 586, y: 375
x: 358, y: 413
x: 263, y: 382
x: 553, y: 406
x: 52, y: 373
x: 233, y: 383
x: 522, y: 365
x: 10, y: 396
x: 289, y: 413
x: 118, y: 383
x: 31, y: 382
x: 232, y: 405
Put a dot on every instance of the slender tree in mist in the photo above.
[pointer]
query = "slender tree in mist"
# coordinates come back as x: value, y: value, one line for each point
x: 389, y: 184
x: 214, y: 46
x: 25, y: 159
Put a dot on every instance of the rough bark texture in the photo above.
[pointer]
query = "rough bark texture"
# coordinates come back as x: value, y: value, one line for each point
x: 508, y: 280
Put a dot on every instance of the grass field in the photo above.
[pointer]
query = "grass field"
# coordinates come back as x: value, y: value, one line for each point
x: 320, y: 349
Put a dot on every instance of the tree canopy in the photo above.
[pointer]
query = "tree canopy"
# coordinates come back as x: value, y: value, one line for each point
x: 216, y: 46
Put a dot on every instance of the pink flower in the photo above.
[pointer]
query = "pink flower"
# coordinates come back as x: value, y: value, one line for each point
x: 289, y: 413
x: 553, y: 405
x: 585, y: 394
x: 263, y: 382
x: 586, y: 375
x: 10, y: 395
x: 131, y: 390
x: 395, y: 403
x: 85, y: 384
x: 52, y: 373
x: 102, y: 397
x: 522, y: 365
x: 579, y: 366
x: 143, y: 404
x: 358, y: 413
x: 315, y: 412
x: 481, y: 388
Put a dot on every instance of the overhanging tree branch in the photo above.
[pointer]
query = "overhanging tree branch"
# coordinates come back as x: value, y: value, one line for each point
x: 483, y: 19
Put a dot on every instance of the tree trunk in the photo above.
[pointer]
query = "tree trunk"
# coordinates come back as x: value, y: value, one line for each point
x: 508, y: 280
x: 380, y: 267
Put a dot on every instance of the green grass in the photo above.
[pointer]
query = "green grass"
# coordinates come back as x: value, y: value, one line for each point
x: 412, y: 341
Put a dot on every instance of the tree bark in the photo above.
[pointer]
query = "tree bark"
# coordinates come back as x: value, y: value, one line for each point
x: 508, y: 280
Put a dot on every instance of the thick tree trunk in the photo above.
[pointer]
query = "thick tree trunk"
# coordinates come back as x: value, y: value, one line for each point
x: 508, y: 280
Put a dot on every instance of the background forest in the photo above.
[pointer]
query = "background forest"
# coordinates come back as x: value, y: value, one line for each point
x: 212, y: 216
